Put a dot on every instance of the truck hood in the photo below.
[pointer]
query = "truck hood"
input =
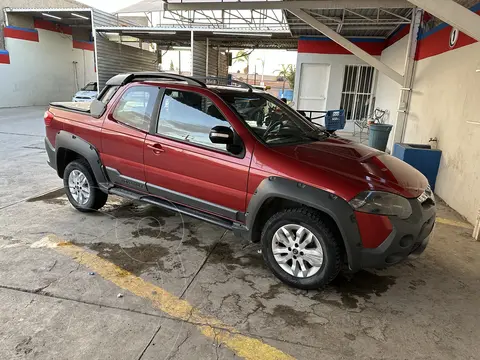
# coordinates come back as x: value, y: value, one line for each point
x: 379, y: 171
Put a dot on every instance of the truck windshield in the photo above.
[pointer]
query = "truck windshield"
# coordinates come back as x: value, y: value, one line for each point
x: 272, y: 120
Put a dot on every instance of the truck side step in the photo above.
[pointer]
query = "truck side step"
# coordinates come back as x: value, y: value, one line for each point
x: 196, y: 214
x: 125, y: 193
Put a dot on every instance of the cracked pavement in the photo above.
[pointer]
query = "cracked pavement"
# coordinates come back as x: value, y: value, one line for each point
x: 53, y: 307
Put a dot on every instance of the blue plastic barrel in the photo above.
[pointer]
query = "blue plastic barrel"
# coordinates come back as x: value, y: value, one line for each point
x: 378, y: 137
x: 421, y: 157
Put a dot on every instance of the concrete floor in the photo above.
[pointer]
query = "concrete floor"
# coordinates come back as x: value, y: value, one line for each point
x: 54, y: 306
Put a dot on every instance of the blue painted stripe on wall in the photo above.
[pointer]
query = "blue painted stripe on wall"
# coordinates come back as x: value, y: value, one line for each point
x: 21, y: 28
x: 476, y: 7
x: 353, y: 39
x: 422, y: 36
x: 3, y: 52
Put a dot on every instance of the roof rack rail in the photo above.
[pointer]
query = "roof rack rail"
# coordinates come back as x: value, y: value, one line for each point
x: 123, y: 79
x: 224, y: 81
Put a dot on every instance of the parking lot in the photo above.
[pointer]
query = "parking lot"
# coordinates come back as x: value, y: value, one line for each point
x: 136, y: 282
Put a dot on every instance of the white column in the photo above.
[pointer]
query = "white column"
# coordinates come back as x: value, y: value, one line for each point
x: 406, y: 90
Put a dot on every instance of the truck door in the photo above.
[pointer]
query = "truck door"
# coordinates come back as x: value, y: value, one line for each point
x: 184, y: 166
x: 124, y: 132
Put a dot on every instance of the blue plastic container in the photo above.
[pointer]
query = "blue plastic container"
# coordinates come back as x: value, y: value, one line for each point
x: 335, y: 119
x: 378, y: 136
x: 287, y: 94
x: 421, y: 157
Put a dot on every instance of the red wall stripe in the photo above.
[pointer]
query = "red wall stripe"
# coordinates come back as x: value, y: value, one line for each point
x: 400, y: 34
x: 49, y: 25
x: 4, y: 57
x: 438, y: 42
x: 84, y: 45
x: 19, y: 33
x: 331, y: 47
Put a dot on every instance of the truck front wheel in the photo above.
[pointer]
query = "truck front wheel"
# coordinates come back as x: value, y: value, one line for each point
x: 81, y: 188
x: 300, y: 249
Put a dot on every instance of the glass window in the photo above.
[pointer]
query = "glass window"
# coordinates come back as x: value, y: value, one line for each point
x: 357, y: 91
x: 189, y: 116
x: 108, y: 94
x: 272, y: 120
x: 136, y: 106
x: 90, y: 87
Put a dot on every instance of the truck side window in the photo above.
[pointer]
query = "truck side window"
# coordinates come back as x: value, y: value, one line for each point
x: 136, y: 106
x: 189, y: 116
x: 107, y: 94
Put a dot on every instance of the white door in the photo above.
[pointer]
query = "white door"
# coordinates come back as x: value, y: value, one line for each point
x: 313, y: 82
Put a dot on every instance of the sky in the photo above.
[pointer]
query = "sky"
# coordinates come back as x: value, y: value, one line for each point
x: 109, y: 5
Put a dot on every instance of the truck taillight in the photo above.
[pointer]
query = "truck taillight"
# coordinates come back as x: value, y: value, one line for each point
x: 47, y: 118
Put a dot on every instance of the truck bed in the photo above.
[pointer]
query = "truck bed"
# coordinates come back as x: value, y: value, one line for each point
x: 83, y: 107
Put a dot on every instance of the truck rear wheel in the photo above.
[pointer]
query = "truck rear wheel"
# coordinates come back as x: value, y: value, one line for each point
x: 300, y: 249
x: 81, y: 188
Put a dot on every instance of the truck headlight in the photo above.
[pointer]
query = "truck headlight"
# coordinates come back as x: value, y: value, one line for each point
x: 382, y: 203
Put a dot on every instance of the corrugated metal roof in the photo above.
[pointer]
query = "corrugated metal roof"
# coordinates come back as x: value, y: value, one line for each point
x: 358, y: 22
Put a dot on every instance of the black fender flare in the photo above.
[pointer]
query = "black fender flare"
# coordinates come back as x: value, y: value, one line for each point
x: 69, y: 141
x: 334, y: 206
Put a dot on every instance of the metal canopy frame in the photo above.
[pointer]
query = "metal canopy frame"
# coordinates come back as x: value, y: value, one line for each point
x: 347, y: 44
x: 65, y: 15
x: 374, y: 18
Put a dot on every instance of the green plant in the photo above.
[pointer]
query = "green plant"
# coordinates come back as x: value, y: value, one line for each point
x: 244, y: 56
x: 287, y: 72
x: 291, y: 77
x: 172, y: 67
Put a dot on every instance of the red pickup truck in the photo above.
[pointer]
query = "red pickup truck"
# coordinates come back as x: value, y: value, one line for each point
x: 243, y: 160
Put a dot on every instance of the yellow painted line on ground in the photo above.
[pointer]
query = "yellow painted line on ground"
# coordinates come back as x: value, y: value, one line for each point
x: 243, y: 346
x: 454, y: 223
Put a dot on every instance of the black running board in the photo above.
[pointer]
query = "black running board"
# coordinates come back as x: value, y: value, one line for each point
x: 196, y: 214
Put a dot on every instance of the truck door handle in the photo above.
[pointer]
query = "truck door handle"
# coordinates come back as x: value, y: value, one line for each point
x: 157, y: 148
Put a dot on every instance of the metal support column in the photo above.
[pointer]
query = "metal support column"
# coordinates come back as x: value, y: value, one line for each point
x: 191, y: 52
x: 206, y: 59
x: 406, y: 90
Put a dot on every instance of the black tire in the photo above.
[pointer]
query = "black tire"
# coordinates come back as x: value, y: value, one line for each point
x: 97, y: 197
x: 332, y: 252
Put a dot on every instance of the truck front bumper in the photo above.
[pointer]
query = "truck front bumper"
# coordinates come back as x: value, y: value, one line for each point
x: 409, y: 238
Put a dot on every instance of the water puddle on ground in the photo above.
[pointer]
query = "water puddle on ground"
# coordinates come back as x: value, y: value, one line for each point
x: 363, y: 284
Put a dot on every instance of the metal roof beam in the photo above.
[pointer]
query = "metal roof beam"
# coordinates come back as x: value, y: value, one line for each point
x: 454, y: 14
x: 347, y: 44
x: 289, y: 5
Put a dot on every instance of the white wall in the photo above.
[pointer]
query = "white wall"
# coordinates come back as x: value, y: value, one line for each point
x: 337, y: 69
x: 388, y: 91
x: 446, y: 97
x: 42, y: 72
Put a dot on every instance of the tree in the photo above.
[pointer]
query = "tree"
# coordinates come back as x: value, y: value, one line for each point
x: 172, y: 67
x: 287, y: 72
x: 244, y: 57
x: 291, y: 77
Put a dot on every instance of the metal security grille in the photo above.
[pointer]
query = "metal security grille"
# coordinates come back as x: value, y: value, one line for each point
x: 357, y: 91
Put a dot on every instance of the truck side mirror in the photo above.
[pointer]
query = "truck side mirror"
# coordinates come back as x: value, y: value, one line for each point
x: 97, y: 108
x: 221, y: 135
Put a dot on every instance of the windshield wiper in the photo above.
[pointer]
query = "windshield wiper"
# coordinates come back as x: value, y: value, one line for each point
x: 318, y: 134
